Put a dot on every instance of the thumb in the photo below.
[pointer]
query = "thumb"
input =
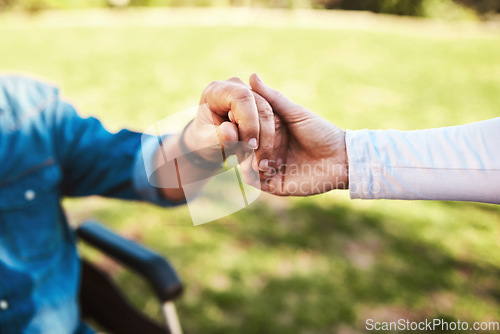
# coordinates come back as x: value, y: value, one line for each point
x: 286, y: 109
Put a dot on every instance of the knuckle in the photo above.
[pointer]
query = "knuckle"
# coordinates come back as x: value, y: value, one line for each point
x: 242, y: 94
x: 267, y: 147
x: 211, y: 86
x: 235, y: 79
x: 266, y: 114
x: 277, y: 123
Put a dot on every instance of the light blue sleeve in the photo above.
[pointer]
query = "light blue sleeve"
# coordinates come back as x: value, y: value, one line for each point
x: 460, y: 163
x: 145, y: 157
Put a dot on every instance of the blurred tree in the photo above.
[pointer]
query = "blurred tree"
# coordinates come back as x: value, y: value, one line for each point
x: 29, y: 5
x: 447, y: 9
x: 482, y: 7
x: 398, y: 7
x: 409, y: 7
x: 4, y: 3
x: 118, y: 3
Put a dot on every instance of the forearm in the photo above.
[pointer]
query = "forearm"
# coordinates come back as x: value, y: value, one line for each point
x: 454, y: 163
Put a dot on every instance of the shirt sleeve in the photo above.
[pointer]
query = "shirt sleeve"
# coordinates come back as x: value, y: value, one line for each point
x: 145, y: 157
x: 459, y: 163
x: 95, y: 161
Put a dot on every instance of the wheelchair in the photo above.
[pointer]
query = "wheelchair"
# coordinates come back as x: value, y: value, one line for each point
x: 102, y: 302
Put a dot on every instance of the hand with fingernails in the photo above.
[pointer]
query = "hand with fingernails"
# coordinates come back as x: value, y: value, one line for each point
x: 288, y: 139
x: 312, y: 155
x: 239, y: 115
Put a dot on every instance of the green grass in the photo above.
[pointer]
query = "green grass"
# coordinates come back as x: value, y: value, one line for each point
x: 314, y: 265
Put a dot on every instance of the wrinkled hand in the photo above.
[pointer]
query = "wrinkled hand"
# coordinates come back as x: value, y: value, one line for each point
x: 231, y: 119
x: 231, y: 112
x: 310, y: 153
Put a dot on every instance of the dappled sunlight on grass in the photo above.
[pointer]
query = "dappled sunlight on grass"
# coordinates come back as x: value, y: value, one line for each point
x: 318, y: 264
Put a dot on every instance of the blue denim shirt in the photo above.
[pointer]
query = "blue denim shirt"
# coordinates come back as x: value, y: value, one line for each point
x: 46, y: 152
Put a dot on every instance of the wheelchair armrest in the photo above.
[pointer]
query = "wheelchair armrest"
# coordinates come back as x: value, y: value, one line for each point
x: 152, y: 266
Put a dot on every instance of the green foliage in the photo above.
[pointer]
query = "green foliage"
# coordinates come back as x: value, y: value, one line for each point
x: 483, y: 7
x: 444, y: 9
x: 4, y: 3
x: 309, y: 265
x: 449, y: 10
x: 38, y: 5
x: 399, y: 7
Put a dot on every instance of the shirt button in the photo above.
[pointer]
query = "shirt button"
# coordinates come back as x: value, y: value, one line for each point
x: 29, y: 195
x: 4, y: 305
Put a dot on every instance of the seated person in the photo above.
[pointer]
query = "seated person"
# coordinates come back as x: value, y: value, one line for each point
x: 47, y: 152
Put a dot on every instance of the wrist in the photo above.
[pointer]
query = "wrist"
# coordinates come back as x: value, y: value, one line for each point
x: 340, y: 175
x: 345, y: 158
x: 198, y: 156
x: 190, y: 141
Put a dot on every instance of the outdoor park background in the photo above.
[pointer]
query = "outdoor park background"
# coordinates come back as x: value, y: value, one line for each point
x: 323, y: 264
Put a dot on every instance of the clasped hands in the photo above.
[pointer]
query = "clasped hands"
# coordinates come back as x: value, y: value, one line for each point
x: 297, y: 152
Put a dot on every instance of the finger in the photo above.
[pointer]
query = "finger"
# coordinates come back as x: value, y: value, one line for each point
x: 286, y: 109
x: 238, y: 81
x: 266, y: 133
x: 281, y: 145
x: 227, y: 134
x: 278, y: 179
x: 231, y: 117
x: 225, y: 97
x: 272, y: 180
x: 249, y: 175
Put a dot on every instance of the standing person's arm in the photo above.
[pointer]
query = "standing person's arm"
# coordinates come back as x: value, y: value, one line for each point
x: 454, y: 163
x: 460, y: 163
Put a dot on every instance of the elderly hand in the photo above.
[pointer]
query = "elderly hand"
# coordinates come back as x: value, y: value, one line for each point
x: 231, y: 117
x: 238, y: 114
x: 312, y: 157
